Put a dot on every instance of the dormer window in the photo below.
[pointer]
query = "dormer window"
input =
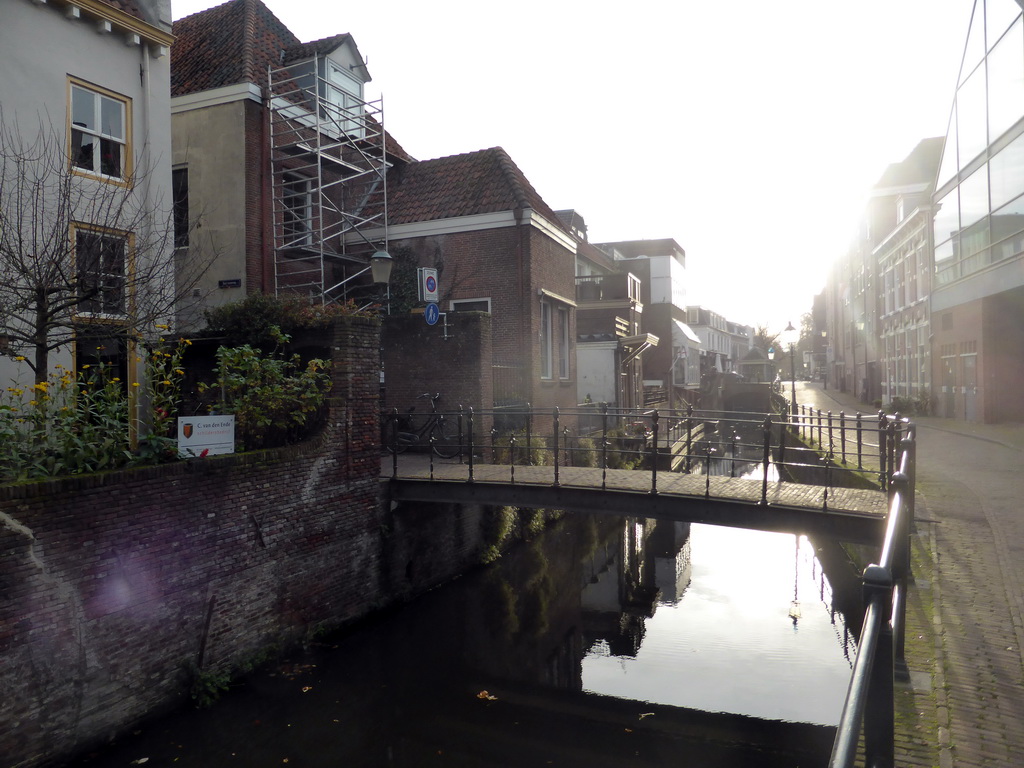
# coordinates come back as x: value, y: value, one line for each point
x: 344, y: 98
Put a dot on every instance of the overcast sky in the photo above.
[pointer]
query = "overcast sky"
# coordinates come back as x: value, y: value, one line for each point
x: 749, y: 132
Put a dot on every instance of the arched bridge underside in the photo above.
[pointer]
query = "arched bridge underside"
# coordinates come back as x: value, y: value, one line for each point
x: 846, y: 514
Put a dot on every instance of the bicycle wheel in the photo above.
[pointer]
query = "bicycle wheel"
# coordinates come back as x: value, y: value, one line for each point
x: 392, y: 441
x: 445, y: 439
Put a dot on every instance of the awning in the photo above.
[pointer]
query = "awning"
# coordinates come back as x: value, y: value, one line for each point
x: 683, y: 331
x: 636, y: 345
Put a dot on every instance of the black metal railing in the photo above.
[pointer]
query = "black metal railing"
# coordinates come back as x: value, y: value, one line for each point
x: 814, y: 449
x: 869, y: 710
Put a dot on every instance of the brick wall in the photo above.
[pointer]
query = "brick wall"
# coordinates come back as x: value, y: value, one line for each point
x: 112, y: 586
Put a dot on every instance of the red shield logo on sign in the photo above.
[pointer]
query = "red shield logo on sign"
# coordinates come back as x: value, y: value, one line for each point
x: 187, y: 429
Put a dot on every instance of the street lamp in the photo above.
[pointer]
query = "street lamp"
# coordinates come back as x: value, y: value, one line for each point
x: 379, y: 269
x: 789, y: 336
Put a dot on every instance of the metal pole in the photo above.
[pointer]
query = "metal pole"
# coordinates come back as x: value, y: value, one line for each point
x: 767, y: 427
x: 792, y: 370
x: 471, y: 444
x: 555, y: 438
x: 654, y: 453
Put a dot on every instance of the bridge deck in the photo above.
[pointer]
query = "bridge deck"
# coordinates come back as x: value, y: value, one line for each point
x: 852, y: 514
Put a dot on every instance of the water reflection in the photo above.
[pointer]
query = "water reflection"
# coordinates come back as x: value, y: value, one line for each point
x: 602, y: 642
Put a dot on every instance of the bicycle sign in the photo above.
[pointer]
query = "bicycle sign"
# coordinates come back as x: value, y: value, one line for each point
x: 427, y: 284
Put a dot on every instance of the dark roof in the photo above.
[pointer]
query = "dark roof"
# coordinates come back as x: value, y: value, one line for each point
x: 486, y: 181
x: 919, y: 167
x: 665, y: 246
x: 227, y: 44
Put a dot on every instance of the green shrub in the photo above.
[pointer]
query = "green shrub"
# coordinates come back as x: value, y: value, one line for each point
x: 273, y: 398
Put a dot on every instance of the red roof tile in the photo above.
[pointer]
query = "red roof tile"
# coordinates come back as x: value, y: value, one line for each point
x: 230, y: 43
x: 486, y: 181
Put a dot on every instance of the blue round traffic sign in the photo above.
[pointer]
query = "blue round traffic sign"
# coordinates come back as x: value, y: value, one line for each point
x: 431, y: 284
x: 431, y: 313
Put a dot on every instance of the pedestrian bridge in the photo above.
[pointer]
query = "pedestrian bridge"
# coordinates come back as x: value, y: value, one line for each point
x: 711, y: 446
x: 843, y: 513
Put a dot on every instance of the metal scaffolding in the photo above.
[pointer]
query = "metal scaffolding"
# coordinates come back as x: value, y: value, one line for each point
x: 328, y: 167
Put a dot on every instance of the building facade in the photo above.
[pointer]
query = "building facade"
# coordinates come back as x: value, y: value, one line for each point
x: 86, y: 86
x: 977, y: 302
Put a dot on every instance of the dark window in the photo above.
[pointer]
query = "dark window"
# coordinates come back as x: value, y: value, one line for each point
x: 179, y: 184
x: 947, y: 321
x: 100, y: 267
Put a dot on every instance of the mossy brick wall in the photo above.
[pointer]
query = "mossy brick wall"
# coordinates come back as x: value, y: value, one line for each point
x: 113, y: 585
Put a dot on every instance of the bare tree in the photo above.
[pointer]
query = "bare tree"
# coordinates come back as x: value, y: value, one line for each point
x: 82, y: 254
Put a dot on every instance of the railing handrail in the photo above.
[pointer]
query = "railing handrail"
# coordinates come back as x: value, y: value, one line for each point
x: 869, y: 702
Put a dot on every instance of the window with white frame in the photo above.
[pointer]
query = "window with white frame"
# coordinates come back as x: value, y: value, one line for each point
x: 99, y: 124
x: 546, y: 341
x: 563, y: 343
x: 345, y: 98
x: 101, y: 270
x: 296, y: 210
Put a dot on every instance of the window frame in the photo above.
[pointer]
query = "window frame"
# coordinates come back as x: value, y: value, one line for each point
x: 546, y: 342
x: 180, y: 206
x: 98, y: 135
x: 563, y: 343
x: 126, y: 300
x: 296, y: 220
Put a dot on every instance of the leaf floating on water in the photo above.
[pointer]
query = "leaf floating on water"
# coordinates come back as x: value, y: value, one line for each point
x: 307, y: 688
x: 140, y: 761
x: 487, y: 696
x: 646, y: 714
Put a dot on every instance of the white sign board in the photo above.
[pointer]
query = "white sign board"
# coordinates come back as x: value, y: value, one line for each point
x: 205, y: 435
x: 428, y: 284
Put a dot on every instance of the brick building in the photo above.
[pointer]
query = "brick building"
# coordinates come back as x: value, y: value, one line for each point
x: 279, y: 160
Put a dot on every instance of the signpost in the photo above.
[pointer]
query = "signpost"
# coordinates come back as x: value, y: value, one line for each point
x: 428, y: 284
x: 205, y: 435
x: 431, y: 313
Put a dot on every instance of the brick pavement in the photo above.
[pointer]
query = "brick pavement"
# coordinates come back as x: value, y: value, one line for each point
x: 966, y: 640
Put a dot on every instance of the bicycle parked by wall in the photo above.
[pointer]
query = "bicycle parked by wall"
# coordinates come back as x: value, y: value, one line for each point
x: 438, y: 432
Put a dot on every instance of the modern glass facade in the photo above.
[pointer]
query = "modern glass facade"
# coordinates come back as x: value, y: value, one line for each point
x: 977, y: 302
x: 980, y: 190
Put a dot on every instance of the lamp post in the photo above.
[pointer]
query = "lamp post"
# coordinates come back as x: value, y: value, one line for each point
x: 789, y: 334
x: 379, y: 269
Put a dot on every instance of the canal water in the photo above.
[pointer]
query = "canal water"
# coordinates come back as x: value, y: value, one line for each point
x: 604, y: 641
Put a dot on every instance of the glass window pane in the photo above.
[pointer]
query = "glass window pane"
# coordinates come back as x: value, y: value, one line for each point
x: 83, y: 108
x: 947, y: 217
x: 111, y: 161
x: 1006, y: 81
x: 999, y: 14
x: 113, y: 117
x: 1006, y: 172
x: 1008, y: 222
x: 944, y: 252
x: 974, y: 51
x: 949, y: 165
x: 974, y: 196
x: 83, y: 150
x: 974, y: 239
x: 970, y: 113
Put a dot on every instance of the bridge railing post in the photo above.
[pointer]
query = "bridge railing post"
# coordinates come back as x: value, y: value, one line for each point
x: 831, y: 441
x: 689, y: 436
x: 708, y: 450
x: 820, y: 429
x: 860, y: 441
x: 782, y: 448
x: 512, y: 457
x: 767, y: 452
x: 842, y: 434
x: 654, y: 452
x: 604, y: 446
x: 529, y: 431
x: 883, y: 452
x: 470, y: 442
x: 394, y: 443
x: 554, y: 442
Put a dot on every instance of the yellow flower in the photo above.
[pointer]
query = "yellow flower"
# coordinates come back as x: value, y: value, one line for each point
x: 179, y: 371
x: 166, y: 382
x: 135, y: 383
x: 32, y: 402
x: 20, y: 358
x: 41, y: 386
x: 163, y: 327
x: 186, y: 342
x: 116, y: 378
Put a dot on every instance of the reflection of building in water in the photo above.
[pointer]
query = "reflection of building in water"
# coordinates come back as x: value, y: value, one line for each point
x: 652, y: 560
x: 669, y: 549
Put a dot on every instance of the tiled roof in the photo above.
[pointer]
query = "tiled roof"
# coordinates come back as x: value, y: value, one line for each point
x: 486, y: 181
x: 230, y: 43
x: 321, y: 47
